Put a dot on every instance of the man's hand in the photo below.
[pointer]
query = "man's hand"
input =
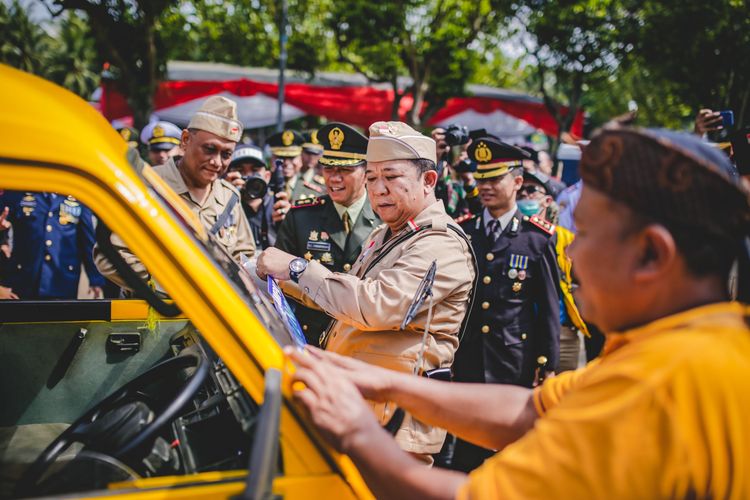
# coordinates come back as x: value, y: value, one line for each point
x: 707, y: 121
x: 4, y: 222
x: 281, y: 207
x: 7, y: 293
x: 335, y: 404
x: 97, y: 292
x: 372, y: 381
x: 442, y: 148
x: 275, y: 263
x: 236, y: 179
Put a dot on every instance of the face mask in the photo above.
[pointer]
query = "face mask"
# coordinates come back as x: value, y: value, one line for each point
x: 529, y: 207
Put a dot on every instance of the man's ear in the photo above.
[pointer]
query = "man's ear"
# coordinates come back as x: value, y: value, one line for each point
x: 658, y: 253
x: 185, y: 138
x: 430, y: 179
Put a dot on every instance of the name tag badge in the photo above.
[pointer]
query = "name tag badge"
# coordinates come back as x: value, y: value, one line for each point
x: 320, y: 246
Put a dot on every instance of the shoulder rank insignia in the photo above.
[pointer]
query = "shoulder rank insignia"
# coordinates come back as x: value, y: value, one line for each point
x: 310, y: 185
x: 542, y: 224
x: 319, y: 179
x: 308, y: 202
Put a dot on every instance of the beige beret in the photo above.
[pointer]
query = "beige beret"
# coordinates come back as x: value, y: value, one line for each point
x: 218, y: 115
x: 398, y: 141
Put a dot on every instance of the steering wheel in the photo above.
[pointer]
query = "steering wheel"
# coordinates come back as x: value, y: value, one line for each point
x: 120, y: 424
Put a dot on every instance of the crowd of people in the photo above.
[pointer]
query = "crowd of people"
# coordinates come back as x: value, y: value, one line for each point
x: 493, y: 373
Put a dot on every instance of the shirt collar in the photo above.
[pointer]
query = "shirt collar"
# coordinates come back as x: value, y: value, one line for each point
x: 354, y: 209
x: 710, y: 315
x: 504, y: 219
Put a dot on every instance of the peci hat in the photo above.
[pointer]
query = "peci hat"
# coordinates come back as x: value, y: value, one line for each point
x: 247, y: 153
x: 312, y: 144
x: 398, y: 141
x: 342, y: 146
x: 161, y: 135
x: 670, y: 177
x: 286, y: 144
x: 218, y: 115
x: 494, y: 157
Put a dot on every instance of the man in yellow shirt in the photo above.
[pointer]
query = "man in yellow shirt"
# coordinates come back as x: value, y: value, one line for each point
x: 663, y: 413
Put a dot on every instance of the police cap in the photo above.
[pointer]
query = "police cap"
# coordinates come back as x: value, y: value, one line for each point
x: 161, y: 135
x: 495, y: 158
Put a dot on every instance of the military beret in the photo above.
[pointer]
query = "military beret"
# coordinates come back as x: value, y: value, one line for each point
x: 218, y: 115
x: 398, y: 141
x: 312, y: 144
x: 247, y: 153
x: 286, y: 144
x: 161, y: 135
x: 670, y: 177
x: 130, y: 135
x: 342, y: 145
x: 495, y: 158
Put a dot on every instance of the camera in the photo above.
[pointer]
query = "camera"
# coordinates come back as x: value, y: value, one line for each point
x: 464, y: 166
x: 456, y: 135
x: 255, y: 187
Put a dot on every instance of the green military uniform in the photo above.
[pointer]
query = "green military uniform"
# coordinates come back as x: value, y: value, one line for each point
x: 307, y: 186
x: 315, y: 229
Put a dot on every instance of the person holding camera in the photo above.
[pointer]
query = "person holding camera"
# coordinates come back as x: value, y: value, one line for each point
x: 331, y: 229
x: 263, y: 199
x: 456, y: 186
x: 286, y: 151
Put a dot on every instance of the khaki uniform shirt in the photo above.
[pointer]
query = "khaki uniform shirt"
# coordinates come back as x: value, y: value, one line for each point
x: 369, y: 309
x: 235, y: 234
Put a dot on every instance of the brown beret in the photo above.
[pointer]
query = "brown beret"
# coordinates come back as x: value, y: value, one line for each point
x: 670, y: 177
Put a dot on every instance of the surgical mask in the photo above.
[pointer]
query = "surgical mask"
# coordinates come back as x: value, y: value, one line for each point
x: 529, y: 207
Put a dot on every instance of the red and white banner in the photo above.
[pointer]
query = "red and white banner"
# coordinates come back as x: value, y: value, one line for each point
x: 510, y: 118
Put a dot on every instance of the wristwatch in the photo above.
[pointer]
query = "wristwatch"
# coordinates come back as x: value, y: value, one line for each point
x: 296, y: 268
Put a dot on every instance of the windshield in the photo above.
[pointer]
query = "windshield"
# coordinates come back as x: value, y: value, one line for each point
x: 243, y: 278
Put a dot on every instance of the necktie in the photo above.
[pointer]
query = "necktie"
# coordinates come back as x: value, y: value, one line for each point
x: 493, y: 230
x: 347, y: 222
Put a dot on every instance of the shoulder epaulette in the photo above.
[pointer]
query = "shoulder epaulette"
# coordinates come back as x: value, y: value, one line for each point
x: 310, y: 185
x: 308, y: 202
x: 542, y: 224
x: 319, y: 179
x: 462, y: 218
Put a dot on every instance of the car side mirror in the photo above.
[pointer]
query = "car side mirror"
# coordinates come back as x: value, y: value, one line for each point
x: 264, y: 456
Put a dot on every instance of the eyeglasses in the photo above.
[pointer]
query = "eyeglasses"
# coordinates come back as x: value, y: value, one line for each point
x: 530, y: 189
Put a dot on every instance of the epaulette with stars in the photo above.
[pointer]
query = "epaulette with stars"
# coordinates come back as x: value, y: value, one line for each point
x: 308, y: 202
x: 542, y: 224
x: 310, y: 185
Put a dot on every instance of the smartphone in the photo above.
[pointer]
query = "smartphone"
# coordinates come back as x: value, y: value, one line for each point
x: 727, y: 118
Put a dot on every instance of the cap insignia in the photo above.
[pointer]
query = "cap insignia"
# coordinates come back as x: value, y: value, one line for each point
x: 314, y: 137
x: 287, y: 138
x: 336, y: 137
x: 125, y: 133
x: 482, y: 153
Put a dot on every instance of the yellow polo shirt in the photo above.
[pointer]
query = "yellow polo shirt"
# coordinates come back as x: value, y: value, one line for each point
x: 663, y: 413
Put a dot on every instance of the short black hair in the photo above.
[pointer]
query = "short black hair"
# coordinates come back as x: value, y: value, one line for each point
x: 423, y: 165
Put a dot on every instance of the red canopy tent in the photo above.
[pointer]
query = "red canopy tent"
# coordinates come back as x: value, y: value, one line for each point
x: 335, y: 96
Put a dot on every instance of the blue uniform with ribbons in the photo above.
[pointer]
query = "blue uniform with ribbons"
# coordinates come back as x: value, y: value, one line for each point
x: 53, y: 235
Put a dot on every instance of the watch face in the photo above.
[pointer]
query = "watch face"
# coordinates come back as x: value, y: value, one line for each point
x: 297, y: 265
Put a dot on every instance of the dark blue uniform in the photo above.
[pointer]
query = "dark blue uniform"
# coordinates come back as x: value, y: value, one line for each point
x: 516, y: 313
x: 261, y: 222
x: 52, y: 236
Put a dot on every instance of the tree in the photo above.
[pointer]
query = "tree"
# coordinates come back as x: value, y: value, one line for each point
x: 702, y: 48
x: 127, y: 37
x: 24, y: 42
x: 430, y: 41
x: 72, y: 61
x: 573, y: 44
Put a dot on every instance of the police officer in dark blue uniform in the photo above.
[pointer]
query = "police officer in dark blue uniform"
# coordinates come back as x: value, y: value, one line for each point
x: 515, y: 321
x: 53, y: 235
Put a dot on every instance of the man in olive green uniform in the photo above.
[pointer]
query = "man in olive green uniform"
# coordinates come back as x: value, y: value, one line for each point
x: 286, y: 153
x: 331, y: 229
x: 208, y: 143
x: 370, y: 302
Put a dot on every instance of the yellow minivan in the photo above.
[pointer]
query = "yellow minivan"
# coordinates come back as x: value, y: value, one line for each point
x: 179, y: 398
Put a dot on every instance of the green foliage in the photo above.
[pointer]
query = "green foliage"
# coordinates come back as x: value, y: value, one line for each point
x: 68, y: 58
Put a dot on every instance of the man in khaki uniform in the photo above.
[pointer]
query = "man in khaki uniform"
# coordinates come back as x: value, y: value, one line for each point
x: 370, y: 301
x: 208, y: 143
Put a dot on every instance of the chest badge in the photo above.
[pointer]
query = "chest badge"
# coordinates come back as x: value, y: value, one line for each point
x: 326, y: 258
x: 517, y: 286
x: 313, y: 236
